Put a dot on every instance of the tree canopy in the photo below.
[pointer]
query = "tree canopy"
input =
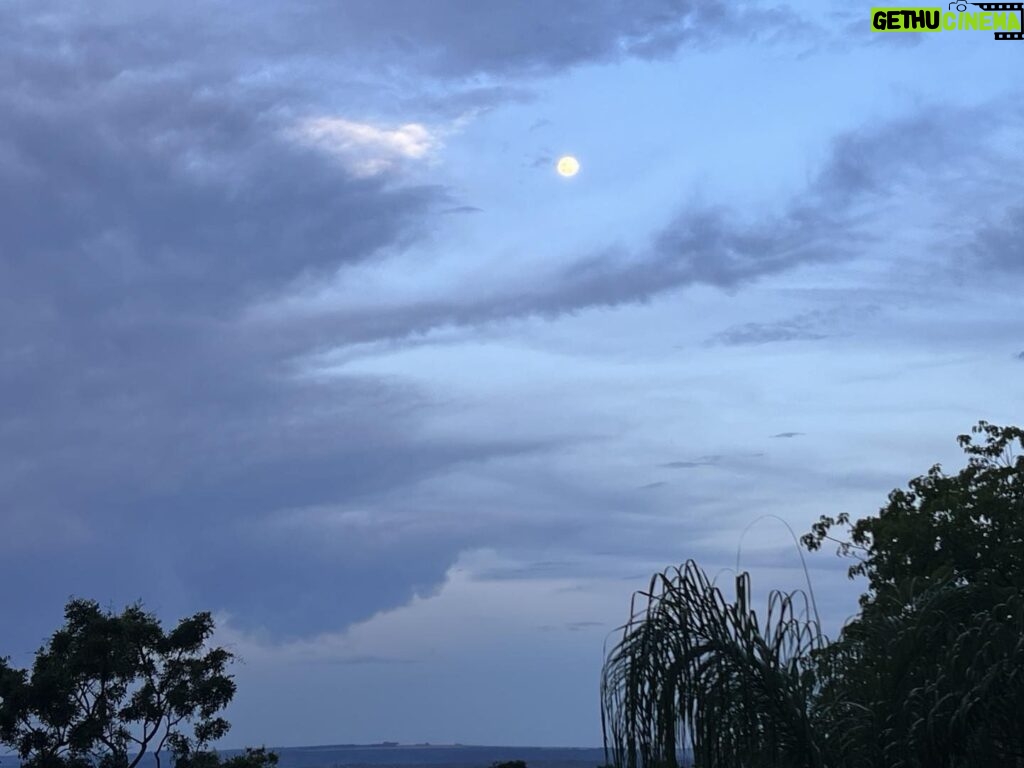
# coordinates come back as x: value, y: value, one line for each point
x: 968, y: 527
x: 107, y: 689
x: 929, y: 674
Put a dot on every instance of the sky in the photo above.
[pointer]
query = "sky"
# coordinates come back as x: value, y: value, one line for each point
x: 299, y: 326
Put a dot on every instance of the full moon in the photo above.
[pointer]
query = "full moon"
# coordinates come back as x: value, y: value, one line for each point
x: 568, y: 166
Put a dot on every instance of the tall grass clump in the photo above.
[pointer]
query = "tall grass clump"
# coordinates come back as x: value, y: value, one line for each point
x: 695, y: 670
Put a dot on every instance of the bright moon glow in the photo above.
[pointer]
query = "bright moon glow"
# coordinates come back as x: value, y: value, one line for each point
x: 568, y: 166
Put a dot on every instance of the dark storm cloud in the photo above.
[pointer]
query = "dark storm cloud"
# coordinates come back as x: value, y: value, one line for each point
x: 444, y: 39
x: 456, y: 38
x: 152, y: 431
x: 282, y: 216
x: 147, y: 199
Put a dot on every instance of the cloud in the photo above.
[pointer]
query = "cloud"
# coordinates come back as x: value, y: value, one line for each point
x: 703, y: 461
x: 998, y: 243
x: 652, y: 486
x: 704, y: 246
x: 579, y: 626
x: 868, y: 175
x: 366, y: 149
x: 734, y: 460
x: 806, y: 326
x: 475, y: 581
x: 794, y: 329
x: 382, y: 48
x: 151, y: 429
x: 158, y: 183
x: 522, y: 38
x: 788, y: 434
x: 462, y: 209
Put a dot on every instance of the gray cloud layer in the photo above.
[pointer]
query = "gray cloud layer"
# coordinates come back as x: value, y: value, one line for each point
x: 148, y: 199
x: 458, y: 38
x: 146, y: 427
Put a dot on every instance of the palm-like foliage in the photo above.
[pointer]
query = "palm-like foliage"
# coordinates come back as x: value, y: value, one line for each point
x: 929, y: 675
x: 694, y: 667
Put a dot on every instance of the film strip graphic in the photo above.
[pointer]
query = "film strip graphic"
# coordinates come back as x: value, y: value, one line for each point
x: 1018, y: 7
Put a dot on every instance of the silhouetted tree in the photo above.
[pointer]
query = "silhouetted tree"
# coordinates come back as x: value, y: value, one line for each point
x: 930, y: 674
x: 968, y: 527
x: 107, y: 689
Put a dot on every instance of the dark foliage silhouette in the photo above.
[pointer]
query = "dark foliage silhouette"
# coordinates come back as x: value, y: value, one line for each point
x: 929, y: 674
x: 109, y: 689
